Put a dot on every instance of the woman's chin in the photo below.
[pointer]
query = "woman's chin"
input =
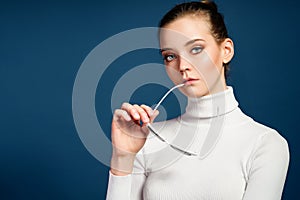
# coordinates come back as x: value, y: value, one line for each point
x: 194, y: 91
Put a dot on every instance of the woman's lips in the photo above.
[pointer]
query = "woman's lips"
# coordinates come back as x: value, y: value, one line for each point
x: 190, y: 81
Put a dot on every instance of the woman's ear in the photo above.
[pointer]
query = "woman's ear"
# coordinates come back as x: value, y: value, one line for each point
x: 228, y: 50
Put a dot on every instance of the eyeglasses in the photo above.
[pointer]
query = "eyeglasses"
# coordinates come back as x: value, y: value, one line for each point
x: 150, y: 127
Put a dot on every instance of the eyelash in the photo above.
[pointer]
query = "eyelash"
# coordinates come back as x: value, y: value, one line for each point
x: 168, y: 55
x: 197, y: 48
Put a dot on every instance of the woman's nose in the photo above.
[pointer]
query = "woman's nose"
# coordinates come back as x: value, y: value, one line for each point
x: 184, y: 65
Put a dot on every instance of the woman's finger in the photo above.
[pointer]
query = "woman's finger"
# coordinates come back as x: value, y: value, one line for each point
x: 152, y: 114
x: 131, y: 110
x: 143, y: 114
x: 118, y: 114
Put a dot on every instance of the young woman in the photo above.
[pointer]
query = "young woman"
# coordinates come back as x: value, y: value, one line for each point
x: 213, y: 150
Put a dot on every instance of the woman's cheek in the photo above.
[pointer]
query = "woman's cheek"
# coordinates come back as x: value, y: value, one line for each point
x: 207, y: 69
x: 174, y: 74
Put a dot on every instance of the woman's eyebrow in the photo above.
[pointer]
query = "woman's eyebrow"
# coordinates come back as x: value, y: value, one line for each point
x: 164, y: 49
x: 188, y: 43
x: 192, y: 41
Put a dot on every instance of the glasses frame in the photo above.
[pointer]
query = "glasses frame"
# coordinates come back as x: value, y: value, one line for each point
x: 171, y: 145
x: 159, y: 136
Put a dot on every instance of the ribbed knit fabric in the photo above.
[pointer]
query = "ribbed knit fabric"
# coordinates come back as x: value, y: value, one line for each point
x: 238, y: 158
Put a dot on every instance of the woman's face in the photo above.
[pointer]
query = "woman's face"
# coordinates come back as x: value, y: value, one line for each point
x: 191, y: 54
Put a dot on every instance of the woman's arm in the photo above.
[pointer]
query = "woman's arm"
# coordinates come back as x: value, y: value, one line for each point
x: 268, y: 168
x: 130, y: 186
x: 129, y: 134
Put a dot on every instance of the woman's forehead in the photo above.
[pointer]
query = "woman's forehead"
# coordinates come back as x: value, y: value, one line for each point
x: 183, y: 30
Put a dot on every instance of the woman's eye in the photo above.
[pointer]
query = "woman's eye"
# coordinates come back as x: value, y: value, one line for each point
x: 169, y: 58
x: 196, y: 50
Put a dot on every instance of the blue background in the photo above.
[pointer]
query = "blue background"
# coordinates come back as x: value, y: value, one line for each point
x: 42, y: 45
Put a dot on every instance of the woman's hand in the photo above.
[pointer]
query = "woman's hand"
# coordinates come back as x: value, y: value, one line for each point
x: 129, y: 133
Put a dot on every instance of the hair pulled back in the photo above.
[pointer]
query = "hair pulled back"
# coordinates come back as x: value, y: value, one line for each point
x: 206, y: 9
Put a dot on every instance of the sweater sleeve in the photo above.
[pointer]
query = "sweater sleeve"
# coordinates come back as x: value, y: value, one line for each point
x: 128, y: 187
x: 268, y: 168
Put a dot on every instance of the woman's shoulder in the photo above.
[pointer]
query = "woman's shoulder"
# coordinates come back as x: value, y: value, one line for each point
x: 252, y: 133
x: 268, y: 136
x: 264, y: 135
x: 240, y: 120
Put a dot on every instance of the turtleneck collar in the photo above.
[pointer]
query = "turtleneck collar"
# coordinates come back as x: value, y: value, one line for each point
x: 211, y: 105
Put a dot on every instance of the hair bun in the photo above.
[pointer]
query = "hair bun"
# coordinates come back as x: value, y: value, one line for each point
x: 213, y: 6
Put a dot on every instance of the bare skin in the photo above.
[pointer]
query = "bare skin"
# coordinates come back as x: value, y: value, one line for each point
x: 128, y: 136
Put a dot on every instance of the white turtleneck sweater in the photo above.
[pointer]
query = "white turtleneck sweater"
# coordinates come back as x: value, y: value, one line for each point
x: 237, y: 158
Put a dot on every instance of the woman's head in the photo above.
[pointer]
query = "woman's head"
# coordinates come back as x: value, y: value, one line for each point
x: 198, y: 28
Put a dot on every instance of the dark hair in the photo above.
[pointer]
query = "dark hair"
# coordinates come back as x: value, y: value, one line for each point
x: 207, y: 9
